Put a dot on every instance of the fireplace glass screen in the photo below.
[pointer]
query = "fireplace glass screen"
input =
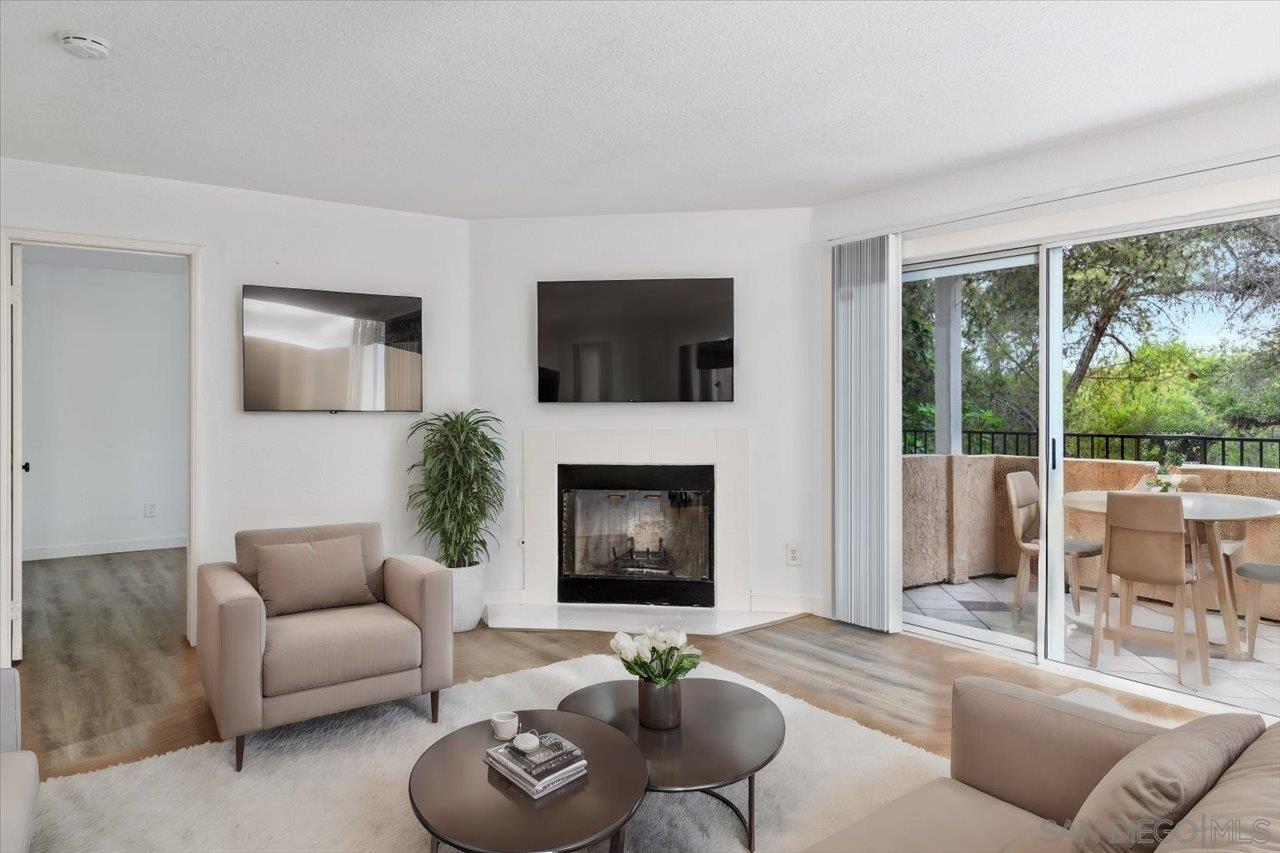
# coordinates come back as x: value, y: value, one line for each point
x: 638, y: 534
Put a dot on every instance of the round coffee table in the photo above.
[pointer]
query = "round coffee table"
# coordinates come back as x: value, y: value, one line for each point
x: 727, y: 733
x: 463, y: 802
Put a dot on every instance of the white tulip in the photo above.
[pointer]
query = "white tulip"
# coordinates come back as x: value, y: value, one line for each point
x: 679, y: 639
x: 617, y: 642
x: 644, y: 647
x: 657, y: 637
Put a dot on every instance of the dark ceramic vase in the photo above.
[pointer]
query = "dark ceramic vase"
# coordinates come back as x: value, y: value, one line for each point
x: 659, y: 705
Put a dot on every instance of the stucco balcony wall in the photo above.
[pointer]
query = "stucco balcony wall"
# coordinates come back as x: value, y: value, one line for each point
x: 956, y: 521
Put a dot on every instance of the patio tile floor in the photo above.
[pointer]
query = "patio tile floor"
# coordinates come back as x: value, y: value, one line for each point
x: 986, y: 602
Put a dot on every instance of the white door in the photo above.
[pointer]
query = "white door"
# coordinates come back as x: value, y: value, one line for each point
x: 13, y: 464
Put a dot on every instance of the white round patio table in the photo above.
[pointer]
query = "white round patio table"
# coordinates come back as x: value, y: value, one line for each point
x: 1210, y: 508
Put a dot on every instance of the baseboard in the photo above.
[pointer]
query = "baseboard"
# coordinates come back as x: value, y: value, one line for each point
x: 504, y: 596
x: 785, y: 604
x: 53, y: 552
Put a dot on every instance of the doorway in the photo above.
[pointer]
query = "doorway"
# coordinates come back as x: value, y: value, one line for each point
x: 98, y: 514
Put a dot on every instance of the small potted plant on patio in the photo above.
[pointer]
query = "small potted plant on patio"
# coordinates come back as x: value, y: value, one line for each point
x: 659, y: 658
x: 1168, y: 466
x: 457, y: 493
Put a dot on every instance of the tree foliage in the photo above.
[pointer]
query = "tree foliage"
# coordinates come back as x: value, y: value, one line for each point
x: 1130, y: 364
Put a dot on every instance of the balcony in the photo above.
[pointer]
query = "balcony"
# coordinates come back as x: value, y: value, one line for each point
x: 960, y: 556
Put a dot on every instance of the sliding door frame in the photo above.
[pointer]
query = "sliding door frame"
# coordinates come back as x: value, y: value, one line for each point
x: 987, y: 635
x: 10, y: 237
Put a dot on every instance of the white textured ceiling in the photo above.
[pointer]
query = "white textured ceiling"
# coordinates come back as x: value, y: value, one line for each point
x: 527, y: 109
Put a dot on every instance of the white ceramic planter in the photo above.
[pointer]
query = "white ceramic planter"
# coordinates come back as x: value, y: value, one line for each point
x: 468, y: 596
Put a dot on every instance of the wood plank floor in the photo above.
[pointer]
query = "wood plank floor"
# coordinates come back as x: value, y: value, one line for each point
x: 108, y: 677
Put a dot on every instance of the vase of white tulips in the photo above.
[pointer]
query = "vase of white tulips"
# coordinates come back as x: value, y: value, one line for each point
x: 659, y: 658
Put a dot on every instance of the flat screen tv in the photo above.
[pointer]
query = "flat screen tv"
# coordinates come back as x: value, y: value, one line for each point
x: 635, y: 341
x: 329, y: 351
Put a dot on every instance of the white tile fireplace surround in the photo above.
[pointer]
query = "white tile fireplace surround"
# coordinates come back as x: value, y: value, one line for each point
x: 546, y: 450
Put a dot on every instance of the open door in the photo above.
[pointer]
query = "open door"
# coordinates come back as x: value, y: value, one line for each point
x: 13, y: 465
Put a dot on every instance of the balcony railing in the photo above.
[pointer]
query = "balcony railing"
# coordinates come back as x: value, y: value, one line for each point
x: 1199, y: 449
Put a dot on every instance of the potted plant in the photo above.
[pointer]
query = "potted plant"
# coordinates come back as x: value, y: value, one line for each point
x: 1168, y: 466
x: 659, y: 658
x: 457, y: 494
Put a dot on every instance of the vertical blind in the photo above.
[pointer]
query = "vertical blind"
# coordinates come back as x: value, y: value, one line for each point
x: 867, y: 432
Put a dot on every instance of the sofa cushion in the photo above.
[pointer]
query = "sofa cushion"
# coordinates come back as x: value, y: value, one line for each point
x: 370, y: 533
x: 312, y: 575
x: 1155, y: 786
x: 341, y: 644
x: 19, y: 787
x: 940, y: 815
x: 1230, y: 815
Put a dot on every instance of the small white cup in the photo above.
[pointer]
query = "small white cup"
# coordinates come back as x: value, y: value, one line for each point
x: 505, y: 724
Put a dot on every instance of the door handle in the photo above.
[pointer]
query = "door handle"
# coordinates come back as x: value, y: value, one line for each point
x: 26, y: 466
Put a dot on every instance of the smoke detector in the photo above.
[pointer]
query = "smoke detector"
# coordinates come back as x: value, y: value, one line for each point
x: 84, y: 46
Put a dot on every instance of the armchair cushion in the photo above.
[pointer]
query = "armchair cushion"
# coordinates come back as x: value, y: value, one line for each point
x: 370, y: 534
x: 299, y: 576
x: 323, y: 647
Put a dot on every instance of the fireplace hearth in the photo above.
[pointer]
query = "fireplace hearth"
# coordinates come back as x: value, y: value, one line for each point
x: 637, y: 534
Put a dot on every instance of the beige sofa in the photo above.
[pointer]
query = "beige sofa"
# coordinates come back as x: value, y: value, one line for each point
x: 1025, y: 766
x: 19, y: 771
x: 260, y: 671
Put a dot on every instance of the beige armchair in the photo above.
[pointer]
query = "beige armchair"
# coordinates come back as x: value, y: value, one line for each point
x: 259, y: 671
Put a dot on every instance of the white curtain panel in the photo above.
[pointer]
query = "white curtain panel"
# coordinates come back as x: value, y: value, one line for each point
x: 867, y: 449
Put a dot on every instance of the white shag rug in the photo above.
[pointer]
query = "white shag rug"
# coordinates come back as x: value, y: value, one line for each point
x: 341, y: 783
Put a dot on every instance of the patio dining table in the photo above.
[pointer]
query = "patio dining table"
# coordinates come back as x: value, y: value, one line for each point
x: 1211, y: 509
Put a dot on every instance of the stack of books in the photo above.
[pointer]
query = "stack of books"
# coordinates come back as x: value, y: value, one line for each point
x: 555, y: 763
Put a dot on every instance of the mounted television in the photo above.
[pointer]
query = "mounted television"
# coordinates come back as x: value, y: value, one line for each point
x: 635, y: 341
x: 329, y: 351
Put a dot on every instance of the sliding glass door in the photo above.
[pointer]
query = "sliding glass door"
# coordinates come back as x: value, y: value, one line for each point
x: 971, y: 426
x: 1167, y: 378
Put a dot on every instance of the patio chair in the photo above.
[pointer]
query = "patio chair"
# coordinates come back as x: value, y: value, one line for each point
x: 1255, y: 575
x: 1232, y: 549
x: 1143, y: 544
x: 1024, y: 509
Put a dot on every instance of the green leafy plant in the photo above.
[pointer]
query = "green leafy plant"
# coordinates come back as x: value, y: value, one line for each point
x: 457, y: 489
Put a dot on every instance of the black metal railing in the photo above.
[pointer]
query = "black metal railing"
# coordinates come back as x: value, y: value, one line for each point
x: 1198, y: 449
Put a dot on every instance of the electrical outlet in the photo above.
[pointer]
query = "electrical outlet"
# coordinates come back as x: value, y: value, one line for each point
x: 793, y: 553
x: 148, y: 510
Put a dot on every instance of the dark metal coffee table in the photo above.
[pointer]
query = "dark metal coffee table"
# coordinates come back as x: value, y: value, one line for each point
x: 463, y: 802
x: 727, y: 733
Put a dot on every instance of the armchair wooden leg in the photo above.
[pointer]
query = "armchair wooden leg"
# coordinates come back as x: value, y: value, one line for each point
x: 239, y: 753
x: 435, y: 706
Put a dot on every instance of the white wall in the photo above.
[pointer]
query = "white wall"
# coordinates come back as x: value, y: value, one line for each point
x: 778, y: 396
x: 104, y: 402
x: 271, y: 469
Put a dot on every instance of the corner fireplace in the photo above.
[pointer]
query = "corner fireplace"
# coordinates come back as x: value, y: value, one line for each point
x: 637, y: 534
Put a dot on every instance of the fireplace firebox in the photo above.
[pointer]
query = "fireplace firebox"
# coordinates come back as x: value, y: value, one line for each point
x: 637, y: 534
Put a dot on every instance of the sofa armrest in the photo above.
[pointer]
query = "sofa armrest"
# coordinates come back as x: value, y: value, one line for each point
x: 10, y: 710
x: 1039, y: 752
x: 422, y: 590
x: 231, y: 626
